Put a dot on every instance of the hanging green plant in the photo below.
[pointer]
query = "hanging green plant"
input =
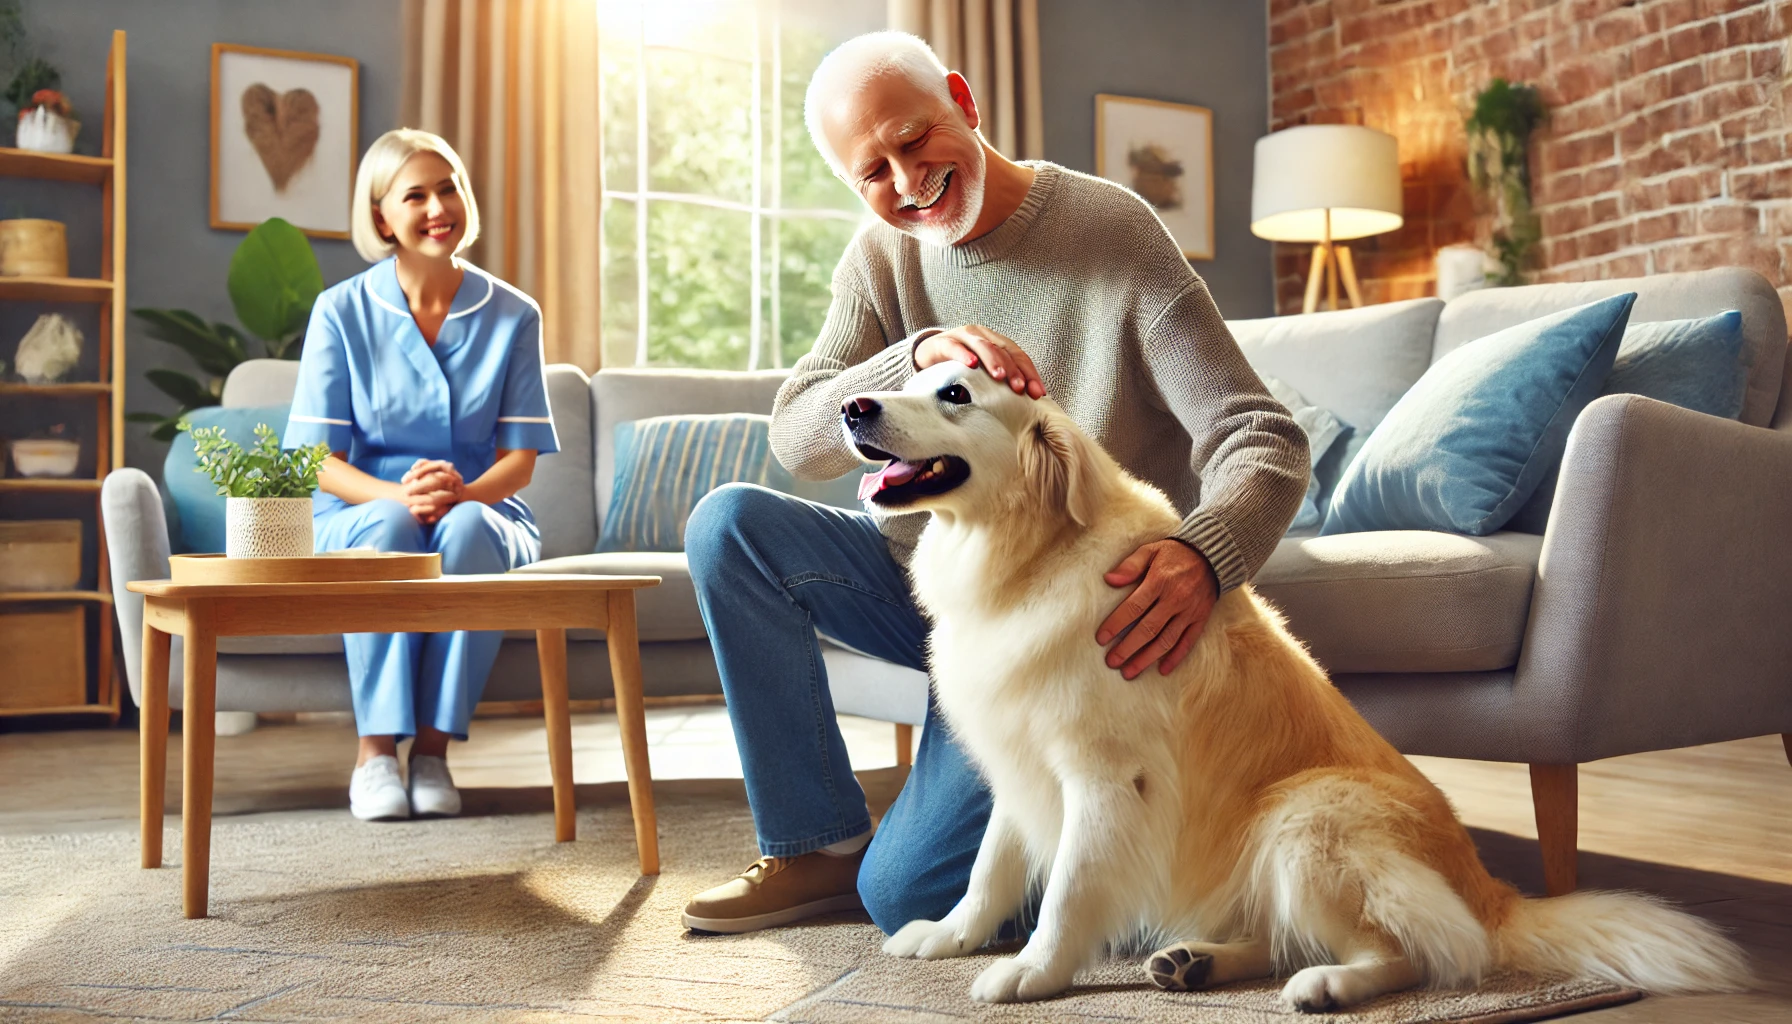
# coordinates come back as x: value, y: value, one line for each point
x: 1499, y: 167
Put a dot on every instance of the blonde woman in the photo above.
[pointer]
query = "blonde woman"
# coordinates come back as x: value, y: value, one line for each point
x: 424, y: 376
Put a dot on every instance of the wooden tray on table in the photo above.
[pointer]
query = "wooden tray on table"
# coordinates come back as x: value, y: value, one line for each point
x: 335, y: 567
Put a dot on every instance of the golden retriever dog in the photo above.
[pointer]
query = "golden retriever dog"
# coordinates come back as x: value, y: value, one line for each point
x: 1236, y: 815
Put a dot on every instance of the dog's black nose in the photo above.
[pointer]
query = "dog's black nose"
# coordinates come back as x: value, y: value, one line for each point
x: 860, y: 410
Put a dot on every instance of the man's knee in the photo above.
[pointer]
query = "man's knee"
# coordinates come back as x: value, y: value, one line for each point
x: 388, y: 525
x: 898, y: 886
x: 723, y: 522
x: 469, y: 543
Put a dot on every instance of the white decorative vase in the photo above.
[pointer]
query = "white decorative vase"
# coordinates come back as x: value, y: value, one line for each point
x: 46, y: 131
x: 267, y: 528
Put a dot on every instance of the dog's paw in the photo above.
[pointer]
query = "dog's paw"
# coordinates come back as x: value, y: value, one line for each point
x: 929, y: 940
x: 1014, y: 980
x: 1316, y: 990
x: 1178, y: 969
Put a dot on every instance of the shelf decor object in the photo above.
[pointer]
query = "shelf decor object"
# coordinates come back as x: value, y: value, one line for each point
x: 284, y: 138
x: 1326, y: 183
x: 33, y: 247
x: 1164, y: 152
x: 48, y: 642
x: 40, y: 554
x: 49, y: 350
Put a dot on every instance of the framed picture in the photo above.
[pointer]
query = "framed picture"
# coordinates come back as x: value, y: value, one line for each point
x: 1164, y: 152
x: 285, y: 134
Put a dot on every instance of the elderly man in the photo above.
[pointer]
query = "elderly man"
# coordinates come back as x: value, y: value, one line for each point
x: 1053, y: 282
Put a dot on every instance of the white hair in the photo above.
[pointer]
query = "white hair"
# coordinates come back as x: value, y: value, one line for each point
x: 859, y: 60
x: 379, y: 166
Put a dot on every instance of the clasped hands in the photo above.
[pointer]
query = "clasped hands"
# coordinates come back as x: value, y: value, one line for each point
x: 1176, y: 586
x: 430, y: 488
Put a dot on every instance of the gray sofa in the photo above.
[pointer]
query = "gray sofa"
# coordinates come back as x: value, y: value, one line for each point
x: 1648, y: 615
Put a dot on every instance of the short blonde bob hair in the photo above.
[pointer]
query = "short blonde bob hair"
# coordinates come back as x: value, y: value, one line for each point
x: 379, y: 166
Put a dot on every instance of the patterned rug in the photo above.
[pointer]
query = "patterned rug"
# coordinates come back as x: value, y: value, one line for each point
x: 317, y: 916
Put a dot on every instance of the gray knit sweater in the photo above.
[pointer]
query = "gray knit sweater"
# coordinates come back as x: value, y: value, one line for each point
x: 1084, y: 277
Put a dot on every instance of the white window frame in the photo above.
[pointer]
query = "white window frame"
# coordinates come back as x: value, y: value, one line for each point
x: 766, y: 211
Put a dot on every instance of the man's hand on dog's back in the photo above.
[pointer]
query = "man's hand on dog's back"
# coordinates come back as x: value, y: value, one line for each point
x: 1167, y: 612
x: 977, y: 346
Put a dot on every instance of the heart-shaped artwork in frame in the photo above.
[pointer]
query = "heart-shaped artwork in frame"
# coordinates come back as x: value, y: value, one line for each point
x: 283, y: 128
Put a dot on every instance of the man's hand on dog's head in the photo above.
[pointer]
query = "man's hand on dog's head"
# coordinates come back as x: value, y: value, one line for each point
x: 979, y: 346
x: 1166, y: 613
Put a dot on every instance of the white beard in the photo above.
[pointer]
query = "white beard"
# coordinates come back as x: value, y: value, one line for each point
x: 970, y: 204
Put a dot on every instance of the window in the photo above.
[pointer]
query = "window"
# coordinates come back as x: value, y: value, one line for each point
x: 722, y: 225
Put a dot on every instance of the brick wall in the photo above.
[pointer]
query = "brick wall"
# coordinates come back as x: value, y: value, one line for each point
x: 1667, y: 146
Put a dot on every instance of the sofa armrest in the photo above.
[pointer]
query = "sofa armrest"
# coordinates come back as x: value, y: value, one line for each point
x: 1659, y: 614
x: 137, y: 549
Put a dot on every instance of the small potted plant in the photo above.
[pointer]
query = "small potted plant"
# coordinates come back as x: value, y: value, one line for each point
x: 47, y: 121
x: 267, y: 491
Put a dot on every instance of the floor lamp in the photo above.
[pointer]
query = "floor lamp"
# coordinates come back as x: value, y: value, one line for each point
x: 1326, y: 183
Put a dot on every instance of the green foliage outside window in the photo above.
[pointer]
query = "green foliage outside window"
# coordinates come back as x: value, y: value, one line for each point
x: 700, y: 142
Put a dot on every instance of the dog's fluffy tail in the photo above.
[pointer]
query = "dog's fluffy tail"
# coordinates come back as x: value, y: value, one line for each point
x: 1626, y: 938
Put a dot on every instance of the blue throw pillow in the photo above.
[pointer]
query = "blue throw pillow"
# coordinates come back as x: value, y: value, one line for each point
x: 666, y: 464
x: 1464, y: 449
x: 198, y: 526
x: 1700, y: 364
x: 1323, y: 432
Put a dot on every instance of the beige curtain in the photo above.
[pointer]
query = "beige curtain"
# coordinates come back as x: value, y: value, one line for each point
x: 513, y: 86
x: 994, y: 44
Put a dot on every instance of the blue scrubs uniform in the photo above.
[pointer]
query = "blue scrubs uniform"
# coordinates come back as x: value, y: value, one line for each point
x: 370, y: 386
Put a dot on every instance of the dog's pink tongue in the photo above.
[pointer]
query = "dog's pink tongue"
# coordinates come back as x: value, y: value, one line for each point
x: 894, y: 473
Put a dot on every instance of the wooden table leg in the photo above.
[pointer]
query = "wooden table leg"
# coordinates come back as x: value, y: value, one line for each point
x: 550, y: 647
x: 199, y: 705
x: 152, y: 732
x: 631, y: 715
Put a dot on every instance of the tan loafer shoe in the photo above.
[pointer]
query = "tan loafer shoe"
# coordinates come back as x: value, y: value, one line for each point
x: 776, y: 891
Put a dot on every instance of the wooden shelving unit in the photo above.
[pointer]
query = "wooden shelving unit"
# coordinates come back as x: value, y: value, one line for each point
x: 107, y: 173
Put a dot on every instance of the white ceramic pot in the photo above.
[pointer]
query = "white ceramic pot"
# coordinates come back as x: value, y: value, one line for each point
x: 267, y: 528
x: 48, y: 457
x: 47, y: 132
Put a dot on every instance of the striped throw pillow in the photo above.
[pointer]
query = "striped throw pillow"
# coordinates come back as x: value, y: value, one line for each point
x: 666, y: 464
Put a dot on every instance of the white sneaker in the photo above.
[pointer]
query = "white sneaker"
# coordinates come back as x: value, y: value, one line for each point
x: 432, y: 789
x: 375, y: 792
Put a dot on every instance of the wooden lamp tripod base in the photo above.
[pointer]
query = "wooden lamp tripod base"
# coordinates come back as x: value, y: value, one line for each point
x: 1331, y: 262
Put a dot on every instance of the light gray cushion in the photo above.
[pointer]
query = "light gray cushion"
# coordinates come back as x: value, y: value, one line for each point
x: 261, y: 382
x: 1658, y: 297
x: 1405, y: 600
x: 1354, y: 362
x: 632, y: 393
x: 560, y: 492
x: 666, y: 612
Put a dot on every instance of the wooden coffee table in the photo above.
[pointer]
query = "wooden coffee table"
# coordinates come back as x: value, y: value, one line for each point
x: 548, y: 604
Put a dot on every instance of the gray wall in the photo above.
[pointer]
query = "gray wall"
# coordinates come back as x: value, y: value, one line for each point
x: 1213, y: 53
x: 175, y: 259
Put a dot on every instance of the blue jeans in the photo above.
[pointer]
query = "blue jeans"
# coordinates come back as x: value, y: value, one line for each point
x: 398, y: 680
x: 770, y: 570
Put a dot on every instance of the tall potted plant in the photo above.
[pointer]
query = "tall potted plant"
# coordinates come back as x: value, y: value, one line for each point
x: 274, y: 279
x: 267, y: 491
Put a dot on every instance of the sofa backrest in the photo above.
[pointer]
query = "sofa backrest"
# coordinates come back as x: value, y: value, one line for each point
x: 560, y: 493
x: 1698, y: 293
x: 1356, y: 363
x: 633, y: 393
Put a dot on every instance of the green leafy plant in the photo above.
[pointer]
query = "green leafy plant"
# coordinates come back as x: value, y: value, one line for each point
x: 263, y: 470
x: 1499, y: 167
x: 274, y: 279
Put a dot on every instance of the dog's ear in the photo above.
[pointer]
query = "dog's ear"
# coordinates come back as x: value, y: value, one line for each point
x: 1061, y: 469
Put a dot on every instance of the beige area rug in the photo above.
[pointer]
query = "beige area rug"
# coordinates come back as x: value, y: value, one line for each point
x: 318, y: 917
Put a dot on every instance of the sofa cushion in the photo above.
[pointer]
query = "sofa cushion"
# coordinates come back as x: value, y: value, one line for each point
x: 1658, y: 297
x: 1356, y: 363
x: 1470, y: 443
x: 1323, y: 431
x: 1405, y: 600
x: 666, y: 612
x: 666, y: 464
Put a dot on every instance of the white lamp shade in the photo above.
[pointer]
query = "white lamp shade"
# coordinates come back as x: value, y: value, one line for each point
x: 1302, y: 172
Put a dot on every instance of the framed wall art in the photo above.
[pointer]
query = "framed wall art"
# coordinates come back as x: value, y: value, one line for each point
x: 285, y: 135
x: 1164, y: 152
